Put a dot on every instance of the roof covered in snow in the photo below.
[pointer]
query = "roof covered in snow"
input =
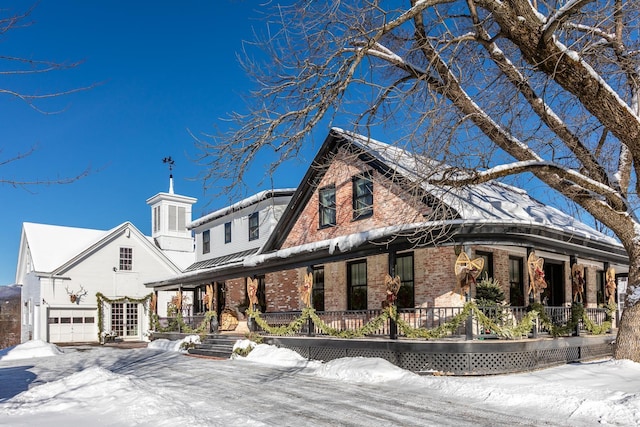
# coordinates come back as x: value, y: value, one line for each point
x: 51, y: 246
x: 242, y: 204
x: 490, y: 201
x: 492, y: 207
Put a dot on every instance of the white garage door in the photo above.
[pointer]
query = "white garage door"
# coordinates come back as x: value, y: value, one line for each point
x: 72, y: 325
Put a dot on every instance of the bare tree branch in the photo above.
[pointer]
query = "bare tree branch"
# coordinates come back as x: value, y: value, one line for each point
x: 493, y: 88
x: 25, y: 67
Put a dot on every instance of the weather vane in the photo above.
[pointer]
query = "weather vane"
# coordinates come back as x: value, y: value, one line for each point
x: 169, y: 161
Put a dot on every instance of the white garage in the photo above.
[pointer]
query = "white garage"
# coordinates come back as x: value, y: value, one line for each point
x: 72, y: 325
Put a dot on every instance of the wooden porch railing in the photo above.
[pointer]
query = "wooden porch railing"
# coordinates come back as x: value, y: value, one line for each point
x: 430, y: 318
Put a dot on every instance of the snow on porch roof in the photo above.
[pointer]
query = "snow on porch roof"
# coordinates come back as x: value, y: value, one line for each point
x: 492, y: 200
x: 53, y: 245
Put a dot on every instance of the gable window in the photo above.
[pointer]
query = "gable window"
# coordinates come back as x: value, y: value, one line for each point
x: 126, y: 259
x: 254, y: 226
x: 227, y: 232
x: 327, y: 206
x: 206, y: 241
x: 357, y: 285
x: 317, y: 293
x: 404, y: 269
x: 362, y: 196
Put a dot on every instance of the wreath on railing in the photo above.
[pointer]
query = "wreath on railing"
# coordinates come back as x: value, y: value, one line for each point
x: 509, y: 332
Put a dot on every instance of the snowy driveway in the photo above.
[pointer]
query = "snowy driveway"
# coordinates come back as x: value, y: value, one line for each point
x: 42, y: 385
x: 143, y: 387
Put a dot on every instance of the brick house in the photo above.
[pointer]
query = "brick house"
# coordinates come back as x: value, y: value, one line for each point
x: 363, y: 211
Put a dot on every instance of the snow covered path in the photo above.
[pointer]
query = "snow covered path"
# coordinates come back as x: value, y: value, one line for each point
x: 281, y: 396
x: 100, y: 386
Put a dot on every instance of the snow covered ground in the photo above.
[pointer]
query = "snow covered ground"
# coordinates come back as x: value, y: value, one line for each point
x: 43, y: 385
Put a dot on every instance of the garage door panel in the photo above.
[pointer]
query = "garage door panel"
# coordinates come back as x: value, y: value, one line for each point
x: 72, y: 325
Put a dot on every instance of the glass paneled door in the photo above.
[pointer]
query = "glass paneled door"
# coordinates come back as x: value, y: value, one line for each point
x: 125, y: 319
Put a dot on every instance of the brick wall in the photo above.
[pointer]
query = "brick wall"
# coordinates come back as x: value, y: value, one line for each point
x: 281, y: 290
x: 434, y: 281
x: 236, y: 291
x: 391, y: 205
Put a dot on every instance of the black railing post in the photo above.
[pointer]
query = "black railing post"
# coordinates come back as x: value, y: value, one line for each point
x: 393, y: 327
x: 469, y: 322
x: 469, y: 327
x: 311, y: 327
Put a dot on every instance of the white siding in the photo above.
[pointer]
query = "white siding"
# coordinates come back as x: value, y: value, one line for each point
x: 269, y: 211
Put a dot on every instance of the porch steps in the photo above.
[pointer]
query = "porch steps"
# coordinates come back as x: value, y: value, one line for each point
x: 216, y: 346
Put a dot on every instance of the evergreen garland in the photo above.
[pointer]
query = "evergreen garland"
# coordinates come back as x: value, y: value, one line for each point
x: 177, y: 324
x: 101, y: 299
x: 509, y: 332
x: 577, y: 313
x: 154, y: 320
x: 437, y: 332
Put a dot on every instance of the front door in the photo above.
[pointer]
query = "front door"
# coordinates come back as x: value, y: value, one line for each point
x: 554, y: 275
x: 221, y: 298
x: 125, y: 319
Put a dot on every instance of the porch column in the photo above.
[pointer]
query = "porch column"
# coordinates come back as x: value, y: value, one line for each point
x: 469, y: 323
x: 531, y: 297
x: 393, y: 326
x: 573, y: 260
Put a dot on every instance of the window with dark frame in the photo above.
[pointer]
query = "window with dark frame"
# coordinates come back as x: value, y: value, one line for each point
x: 362, y: 196
x: 601, y: 300
x: 261, y: 294
x: 317, y: 293
x: 254, y: 226
x: 516, y: 288
x: 206, y: 241
x: 487, y: 270
x: 227, y: 232
x: 357, y: 285
x: 327, y: 206
x: 126, y: 259
x: 404, y: 269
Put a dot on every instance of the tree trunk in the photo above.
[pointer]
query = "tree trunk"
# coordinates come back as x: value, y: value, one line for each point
x: 628, y: 339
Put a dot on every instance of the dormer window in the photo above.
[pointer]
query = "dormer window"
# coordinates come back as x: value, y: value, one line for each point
x: 327, y: 206
x: 227, y: 232
x: 254, y: 226
x: 206, y: 241
x: 362, y: 196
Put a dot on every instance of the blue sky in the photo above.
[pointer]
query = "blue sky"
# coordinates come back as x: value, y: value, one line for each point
x: 163, y: 68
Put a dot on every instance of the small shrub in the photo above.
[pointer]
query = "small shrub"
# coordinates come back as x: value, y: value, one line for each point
x: 489, y: 290
x: 256, y: 338
x: 244, y: 352
x: 490, y: 298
